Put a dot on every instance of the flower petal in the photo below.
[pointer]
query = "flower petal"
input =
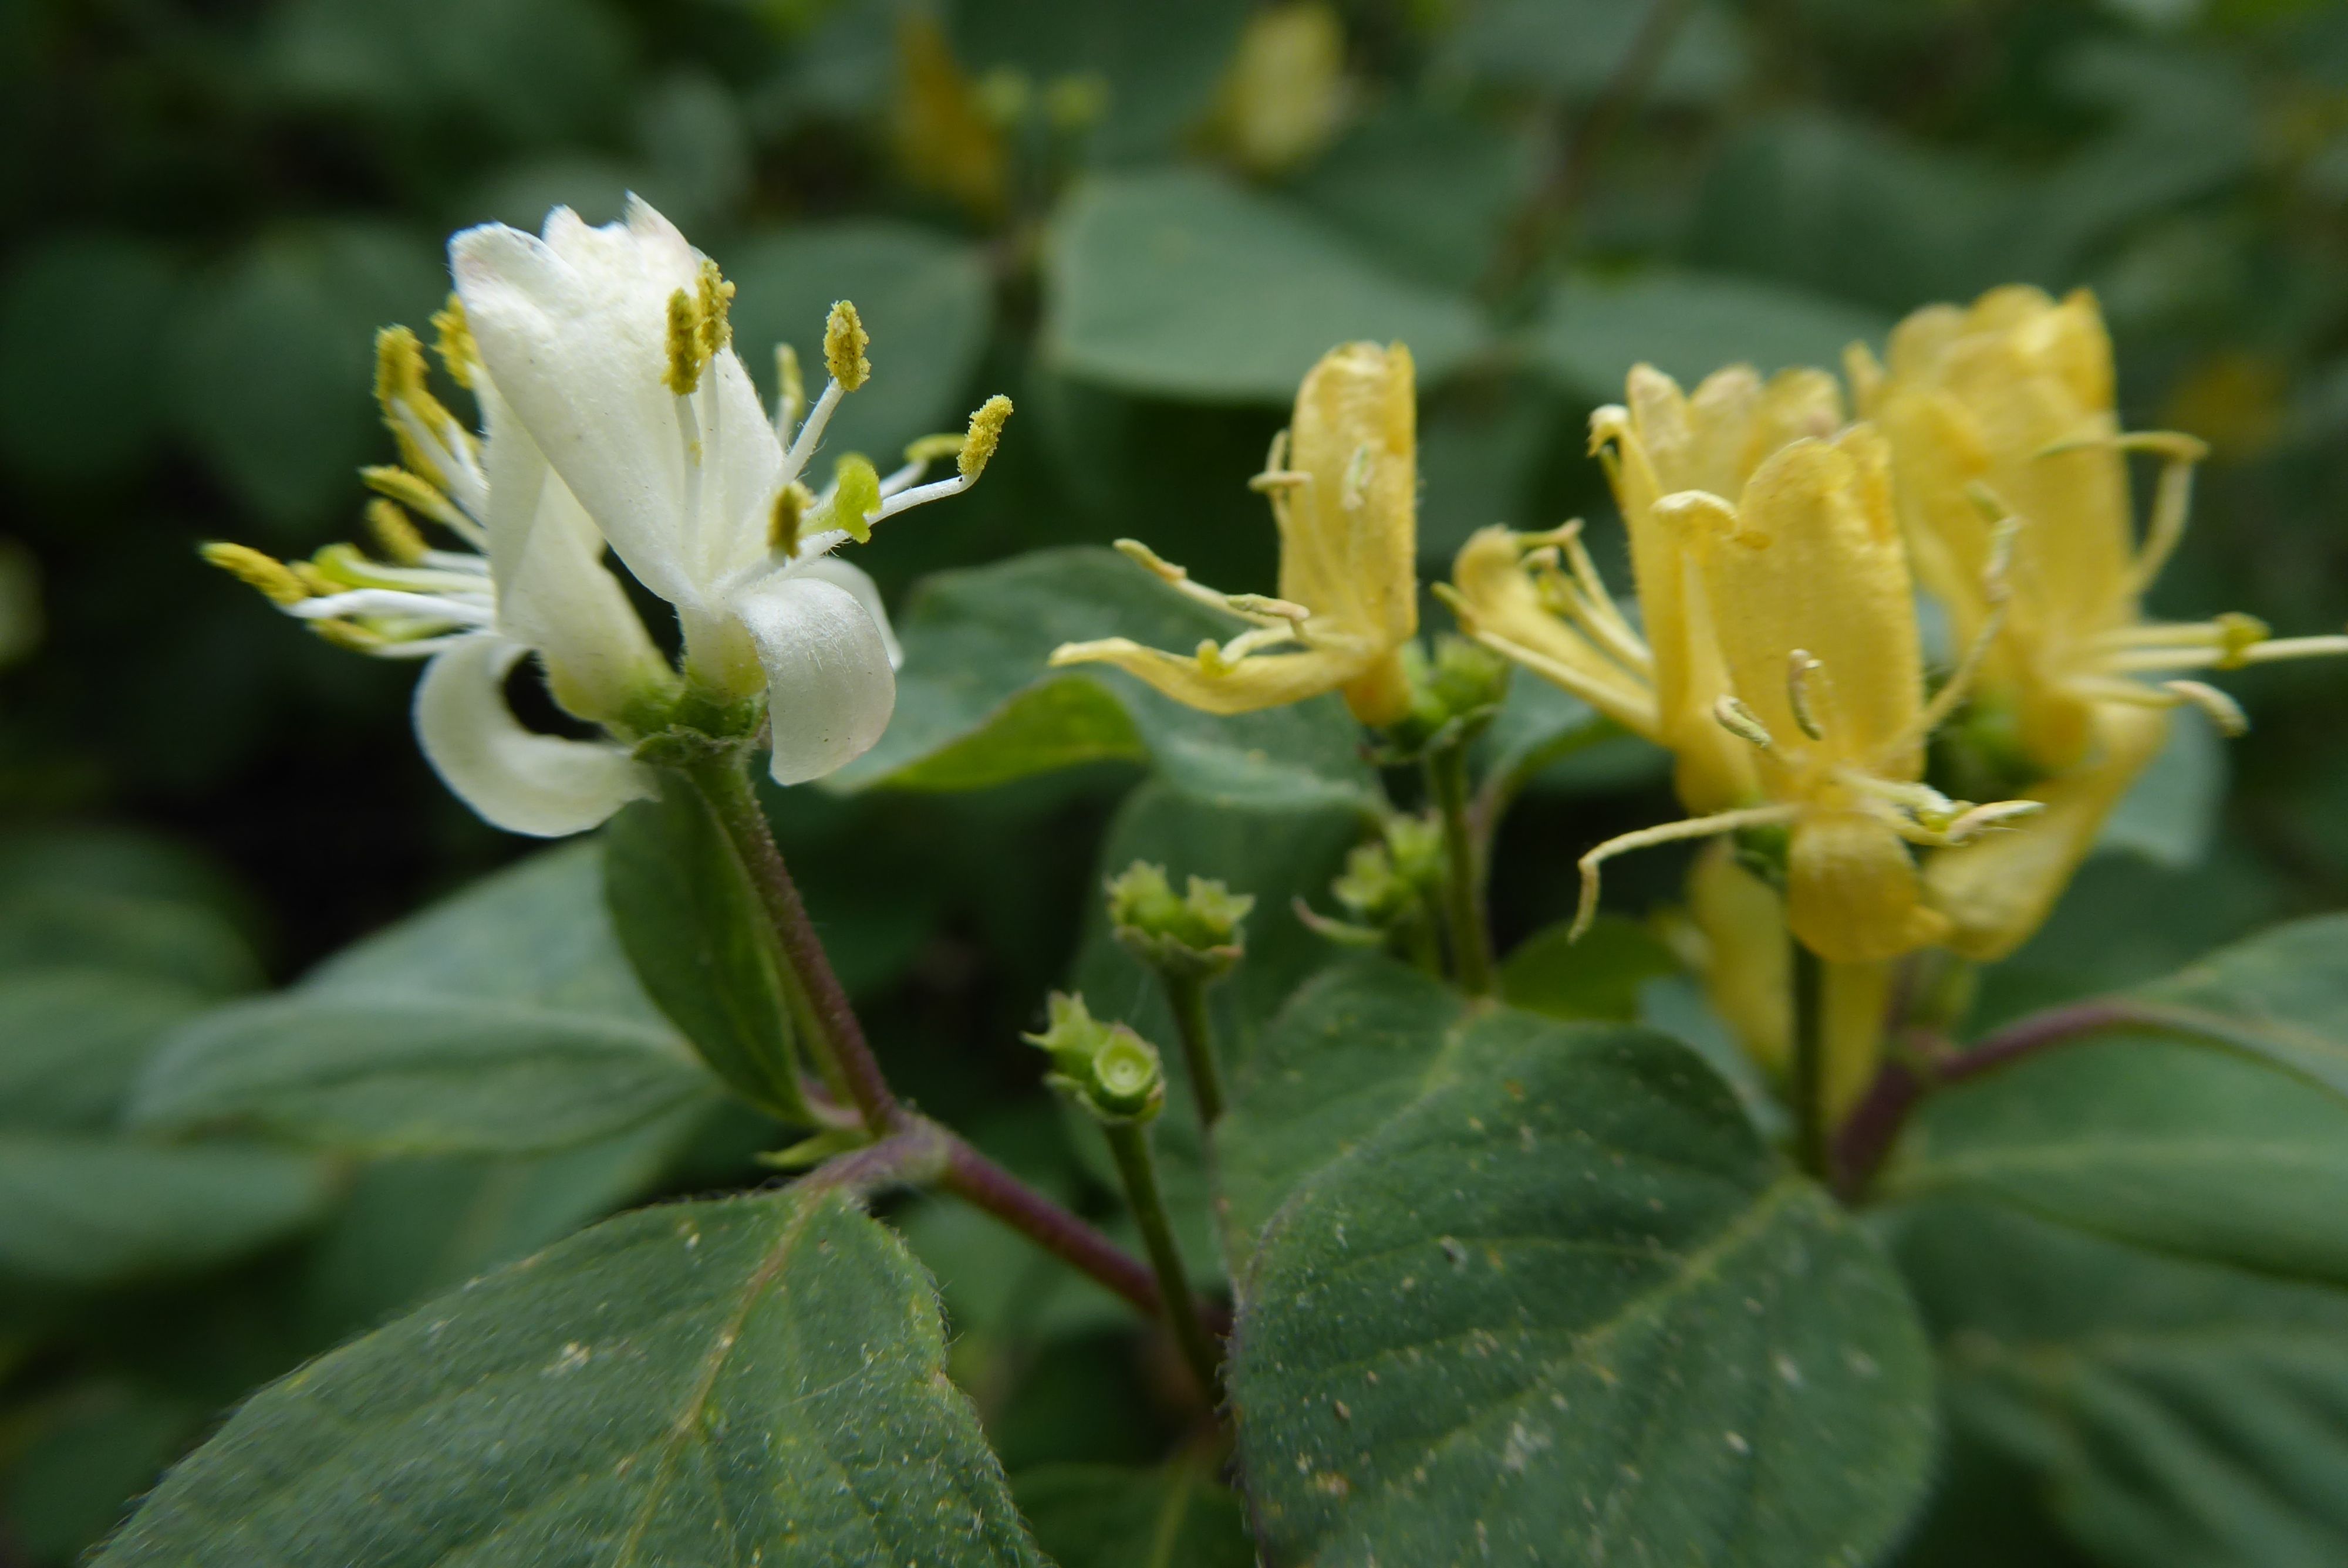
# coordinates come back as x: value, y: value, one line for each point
x: 848, y: 574
x: 554, y: 592
x: 1852, y: 891
x: 829, y: 686
x: 526, y: 782
x: 1242, y: 686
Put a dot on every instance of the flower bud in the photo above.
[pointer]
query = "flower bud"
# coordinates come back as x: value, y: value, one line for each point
x: 1108, y: 1069
x: 1194, y: 935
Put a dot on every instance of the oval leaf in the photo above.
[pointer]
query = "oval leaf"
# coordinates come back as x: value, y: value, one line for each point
x: 759, y: 1379
x: 1560, y: 1304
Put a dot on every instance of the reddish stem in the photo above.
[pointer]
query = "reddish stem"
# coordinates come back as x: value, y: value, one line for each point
x: 1868, y: 1135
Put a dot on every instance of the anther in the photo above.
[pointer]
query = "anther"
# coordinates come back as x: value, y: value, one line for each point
x: 985, y: 433
x: 276, y: 582
x: 855, y: 491
x: 792, y: 390
x: 459, y: 352
x: 1801, y: 665
x: 394, y: 534
x: 1741, y: 722
x: 2222, y: 711
x: 844, y: 342
x: 784, y: 521
x: 685, y: 352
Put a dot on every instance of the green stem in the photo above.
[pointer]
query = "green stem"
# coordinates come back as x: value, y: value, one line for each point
x: 1187, y: 994
x: 1129, y: 1142
x: 1471, y: 943
x: 1811, y: 1141
x: 842, y: 1052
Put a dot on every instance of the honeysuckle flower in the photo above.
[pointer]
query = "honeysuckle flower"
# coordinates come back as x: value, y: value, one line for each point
x: 611, y: 346
x: 2002, y: 425
x: 1343, y: 481
x: 526, y: 575
x: 1537, y: 599
x: 614, y: 412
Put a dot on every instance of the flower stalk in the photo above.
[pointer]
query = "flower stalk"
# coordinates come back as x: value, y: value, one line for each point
x: 1463, y: 900
x: 1813, y: 1137
x: 1137, y: 1168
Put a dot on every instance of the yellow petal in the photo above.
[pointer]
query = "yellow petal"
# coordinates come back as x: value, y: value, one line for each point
x: 1854, y: 1003
x: 1240, y: 686
x: 1852, y: 892
x: 1815, y: 563
x: 1998, y: 890
x: 1495, y: 599
x: 1749, y: 970
x: 1348, y: 535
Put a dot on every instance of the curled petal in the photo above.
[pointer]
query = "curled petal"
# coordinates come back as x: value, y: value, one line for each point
x: 829, y: 684
x: 858, y: 581
x: 1238, y: 686
x: 514, y: 778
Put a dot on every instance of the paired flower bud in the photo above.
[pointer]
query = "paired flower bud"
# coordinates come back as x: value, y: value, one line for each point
x: 1195, y: 935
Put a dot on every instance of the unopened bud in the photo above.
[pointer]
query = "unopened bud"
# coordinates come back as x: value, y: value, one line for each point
x: 1196, y: 934
x: 1106, y: 1068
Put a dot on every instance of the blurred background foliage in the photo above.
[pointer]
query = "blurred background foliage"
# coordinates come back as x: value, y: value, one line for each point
x: 1144, y: 221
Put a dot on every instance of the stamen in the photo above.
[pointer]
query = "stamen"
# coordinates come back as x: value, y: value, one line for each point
x: 1668, y: 833
x: 1997, y: 813
x: 454, y: 340
x: 1355, y: 489
x: 392, y: 602
x: 1801, y: 667
x: 2171, y: 505
x: 1741, y: 722
x: 811, y: 429
x: 272, y: 578
x: 1997, y: 594
x: 685, y: 357
x: 2281, y: 648
x: 791, y: 506
x: 844, y: 342
x: 855, y: 497
x: 1259, y: 609
x: 2222, y: 709
x: 790, y: 395
x: 984, y: 435
x: 393, y: 533
x: 1277, y: 476
x: 422, y: 499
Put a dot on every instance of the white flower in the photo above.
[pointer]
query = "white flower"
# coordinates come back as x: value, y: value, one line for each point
x: 614, y: 411
x: 611, y: 346
x: 529, y: 578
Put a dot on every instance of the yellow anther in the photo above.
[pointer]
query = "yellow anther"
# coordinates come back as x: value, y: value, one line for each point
x: 935, y: 448
x: 398, y: 369
x: 986, y: 434
x: 272, y: 578
x: 341, y: 565
x: 844, y: 342
x: 792, y: 388
x: 714, y: 302
x: 2237, y: 634
x: 783, y: 523
x: 459, y: 352
x: 314, y: 583
x: 856, y: 491
x: 417, y: 495
x: 1741, y: 722
x: 685, y: 354
x: 348, y: 634
x: 1801, y: 668
x: 394, y: 534
x: 2222, y: 710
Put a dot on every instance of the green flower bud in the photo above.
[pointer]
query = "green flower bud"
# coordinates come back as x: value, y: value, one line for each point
x: 1452, y: 697
x: 1195, y: 935
x: 1106, y: 1068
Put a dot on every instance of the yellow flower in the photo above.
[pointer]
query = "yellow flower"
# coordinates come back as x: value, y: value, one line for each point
x: 1284, y: 96
x: 1343, y: 485
x: 2002, y: 425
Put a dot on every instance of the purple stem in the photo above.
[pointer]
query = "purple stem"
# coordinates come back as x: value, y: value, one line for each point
x: 1931, y: 1063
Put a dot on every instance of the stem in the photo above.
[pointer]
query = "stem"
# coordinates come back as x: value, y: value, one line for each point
x: 1129, y: 1142
x: 1811, y: 1145
x: 1187, y: 994
x: 726, y: 785
x: 1867, y: 1138
x: 1471, y: 943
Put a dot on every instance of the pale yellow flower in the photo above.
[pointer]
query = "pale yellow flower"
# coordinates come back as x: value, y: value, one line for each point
x: 1343, y: 481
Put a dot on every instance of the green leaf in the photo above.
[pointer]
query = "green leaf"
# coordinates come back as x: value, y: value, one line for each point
x: 270, y: 364
x: 79, y: 318
x: 2280, y: 996
x: 1687, y: 325
x: 380, y: 1076
x: 699, y: 940
x: 926, y: 299
x: 1158, y: 80
x: 2173, y: 1411
x: 1543, y: 1291
x: 72, y: 1042
x: 1575, y: 47
x: 976, y: 706
x: 91, y: 1209
x: 107, y: 1442
x: 701, y: 1383
x: 1429, y: 190
x: 504, y: 1020
x: 1598, y: 976
x: 1111, y: 1516
x: 186, y: 944
x: 2170, y: 814
x: 1183, y: 285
